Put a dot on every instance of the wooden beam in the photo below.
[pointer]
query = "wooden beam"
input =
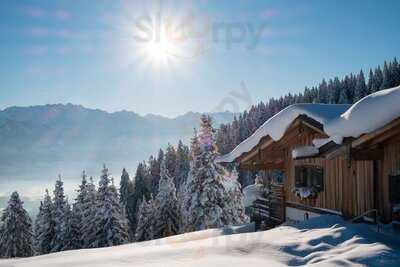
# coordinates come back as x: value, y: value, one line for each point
x: 367, y: 154
x: 336, y: 153
x: 263, y: 166
x: 367, y: 137
x: 254, y: 152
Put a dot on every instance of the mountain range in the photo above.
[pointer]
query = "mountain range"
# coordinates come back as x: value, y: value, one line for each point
x: 40, y: 142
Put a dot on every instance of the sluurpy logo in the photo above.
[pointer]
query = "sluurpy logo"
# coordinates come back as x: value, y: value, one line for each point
x: 190, y: 35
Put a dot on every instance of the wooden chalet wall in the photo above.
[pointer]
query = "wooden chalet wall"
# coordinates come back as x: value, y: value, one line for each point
x: 389, y: 166
x: 350, y: 181
x: 346, y: 190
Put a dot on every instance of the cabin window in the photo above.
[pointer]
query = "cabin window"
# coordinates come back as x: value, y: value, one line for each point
x: 309, y: 176
x: 394, y: 189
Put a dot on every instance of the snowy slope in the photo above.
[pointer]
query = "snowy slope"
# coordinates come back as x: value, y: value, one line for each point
x: 324, y: 241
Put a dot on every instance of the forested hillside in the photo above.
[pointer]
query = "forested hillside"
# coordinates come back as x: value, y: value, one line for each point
x: 346, y: 90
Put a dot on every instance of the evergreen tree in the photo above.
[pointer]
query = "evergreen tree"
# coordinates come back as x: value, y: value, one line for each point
x: 126, y: 191
x: 144, y: 229
x: 15, y: 230
x: 323, y: 94
x: 45, y: 226
x: 378, y: 80
x: 205, y: 189
x: 234, y: 210
x: 61, y: 211
x: 388, y: 76
x: 88, y: 207
x: 361, y: 89
x: 170, y: 159
x: 166, y: 221
x: 110, y: 224
x: 182, y: 164
x: 72, y: 232
x: 141, y: 188
x: 396, y: 72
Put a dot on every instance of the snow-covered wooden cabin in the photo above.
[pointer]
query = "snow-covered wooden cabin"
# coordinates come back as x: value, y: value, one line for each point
x: 340, y: 159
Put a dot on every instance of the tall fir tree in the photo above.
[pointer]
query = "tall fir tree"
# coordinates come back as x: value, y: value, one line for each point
x: 205, y: 191
x: 126, y: 191
x: 16, y: 237
x: 170, y: 159
x: 182, y: 164
x: 145, y: 219
x: 361, y: 89
x: 87, y: 197
x: 141, y: 188
x: 234, y: 207
x: 110, y: 223
x: 45, y: 226
x: 166, y: 216
x: 61, y: 212
x: 72, y: 232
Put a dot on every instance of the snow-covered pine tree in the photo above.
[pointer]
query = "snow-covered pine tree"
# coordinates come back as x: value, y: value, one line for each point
x: 88, y: 201
x: 110, y: 222
x: 170, y: 159
x: 141, y: 187
x: 361, y: 89
x: 72, y: 231
x: 126, y: 191
x: 16, y: 230
x: 44, y: 226
x: 61, y: 211
x: 182, y: 164
x: 184, y: 192
x: 234, y: 208
x: 166, y: 217
x: 205, y: 190
x: 145, y: 220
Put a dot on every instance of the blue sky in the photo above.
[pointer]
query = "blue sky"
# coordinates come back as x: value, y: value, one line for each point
x: 88, y: 52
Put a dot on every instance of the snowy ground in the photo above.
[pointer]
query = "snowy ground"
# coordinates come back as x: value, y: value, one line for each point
x: 325, y: 241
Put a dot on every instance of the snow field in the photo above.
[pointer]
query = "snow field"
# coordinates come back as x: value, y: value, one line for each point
x: 323, y: 241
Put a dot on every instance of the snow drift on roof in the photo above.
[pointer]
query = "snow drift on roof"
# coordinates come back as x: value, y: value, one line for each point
x: 366, y: 115
x: 304, y: 151
x: 276, y: 126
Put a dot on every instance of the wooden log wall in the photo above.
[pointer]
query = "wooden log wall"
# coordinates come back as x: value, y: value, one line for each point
x: 347, y: 190
x: 389, y: 166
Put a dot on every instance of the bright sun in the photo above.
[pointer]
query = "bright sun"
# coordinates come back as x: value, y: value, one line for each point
x: 160, y: 51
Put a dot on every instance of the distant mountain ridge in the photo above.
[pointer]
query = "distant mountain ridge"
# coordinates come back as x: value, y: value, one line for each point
x: 36, y: 139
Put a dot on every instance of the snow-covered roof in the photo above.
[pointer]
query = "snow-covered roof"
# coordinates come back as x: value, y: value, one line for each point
x: 339, y: 121
x: 366, y: 115
x: 304, y: 151
x: 276, y: 126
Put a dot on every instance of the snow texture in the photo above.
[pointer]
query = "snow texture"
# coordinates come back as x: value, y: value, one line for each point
x: 304, y: 192
x: 251, y: 193
x: 276, y: 126
x: 319, y: 142
x: 366, y: 115
x: 324, y: 241
x: 339, y: 121
x: 304, y: 151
